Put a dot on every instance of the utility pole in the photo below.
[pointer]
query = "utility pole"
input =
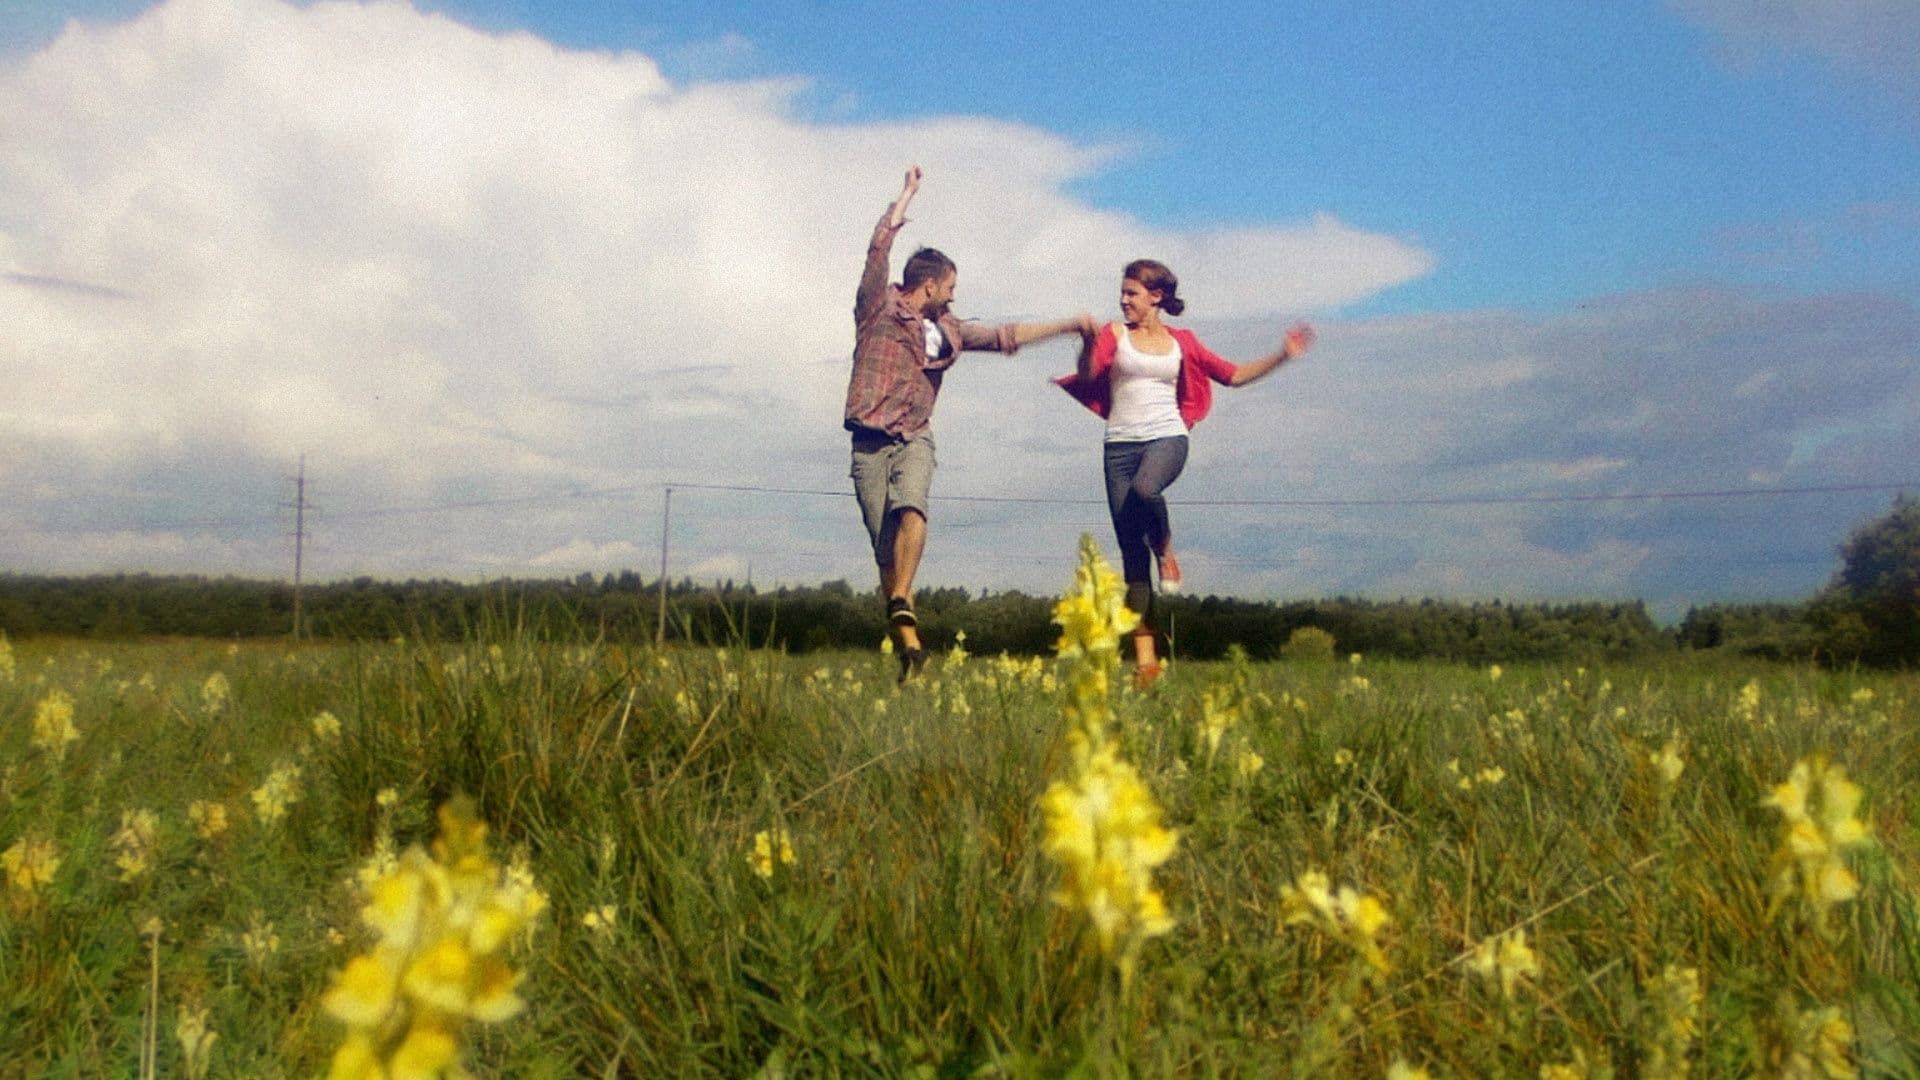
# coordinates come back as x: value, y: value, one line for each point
x: 666, y: 519
x: 299, y: 538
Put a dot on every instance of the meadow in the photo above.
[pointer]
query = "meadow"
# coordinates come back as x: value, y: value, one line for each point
x: 724, y: 861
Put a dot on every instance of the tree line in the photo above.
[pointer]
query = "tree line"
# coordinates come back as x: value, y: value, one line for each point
x: 1870, y: 613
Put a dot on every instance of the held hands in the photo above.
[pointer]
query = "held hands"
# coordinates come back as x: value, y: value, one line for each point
x: 1300, y: 338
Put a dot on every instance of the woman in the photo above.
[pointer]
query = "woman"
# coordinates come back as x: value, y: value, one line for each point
x: 1151, y: 383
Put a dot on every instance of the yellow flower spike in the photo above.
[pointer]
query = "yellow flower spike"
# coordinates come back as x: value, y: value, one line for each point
x: 53, y: 726
x: 1505, y: 959
x: 425, y: 1054
x: 396, y: 907
x: 1817, y: 804
x: 1832, y: 883
x: 30, y: 866
x: 1667, y: 762
x: 1839, y: 801
x: 209, y: 819
x: 1102, y: 825
x: 357, y: 1059
x: 494, y: 996
x: 1366, y: 915
x: 1310, y: 897
x: 365, y: 992
x: 439, y: 977
x: 1790, y: 797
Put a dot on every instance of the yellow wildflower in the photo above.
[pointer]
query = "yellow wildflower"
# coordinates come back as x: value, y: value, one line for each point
x: 443, y: 920
x: 196, y: 1041
x: 1347, y: 915
x: 1507, y: 959
x: 30, y: 866
x: 601, y: 920
x: 1494, y: 672
x: 1667, y: 763
x: 53, y: 726
x: 769, y: 847
x: 1102, y: 824
x: 1817, y: 804
x: 1093, y: 616
x: 6, y: 659
x: 259, y: 941
x: 1676, y: 1001
x: 1249, y: 763
x: 1400, y: 1070
x: 1818, y: 1045
x: 326, y: 726
x: 1579, y: 1069
x: 209, y: 819
x: 215, y: 692
x: 1343, y: 758
x: 1216, y: 716
x: 281, y: 790
x: 134, y: 843
x: 1103, y: 827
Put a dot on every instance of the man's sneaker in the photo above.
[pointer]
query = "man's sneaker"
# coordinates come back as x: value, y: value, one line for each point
x: 1169, y: 572
x: 912, y: 663
x: 900, y: 612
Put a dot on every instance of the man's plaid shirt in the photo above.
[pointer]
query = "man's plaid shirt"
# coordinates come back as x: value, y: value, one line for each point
x: 894, y: 381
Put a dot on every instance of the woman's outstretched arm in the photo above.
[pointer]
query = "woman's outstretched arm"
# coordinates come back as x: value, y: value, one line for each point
x: 1299, y: 339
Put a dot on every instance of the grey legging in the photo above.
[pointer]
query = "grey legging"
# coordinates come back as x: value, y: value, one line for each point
x: 1137, y: 474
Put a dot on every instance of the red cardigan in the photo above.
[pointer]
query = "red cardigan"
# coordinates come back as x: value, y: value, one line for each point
x: 1194, y: 393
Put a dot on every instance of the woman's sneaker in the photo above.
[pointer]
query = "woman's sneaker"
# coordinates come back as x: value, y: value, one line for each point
x: 1169, y: 572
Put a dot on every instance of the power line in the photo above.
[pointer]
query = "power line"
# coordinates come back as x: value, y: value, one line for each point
x: 1444, y: 500
x: 421, y: 509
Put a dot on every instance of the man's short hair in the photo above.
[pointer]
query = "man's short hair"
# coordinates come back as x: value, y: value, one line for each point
x: 924, y: 265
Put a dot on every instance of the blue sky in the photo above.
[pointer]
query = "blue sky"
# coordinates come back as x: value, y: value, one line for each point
x: 463, y: 249
x: 1545, y: 152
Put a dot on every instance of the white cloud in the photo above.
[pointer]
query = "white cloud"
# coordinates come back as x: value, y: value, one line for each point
x: 578, y: 556
x: 425, y: 255
x: 1875, y: 39
x: 455, y: 268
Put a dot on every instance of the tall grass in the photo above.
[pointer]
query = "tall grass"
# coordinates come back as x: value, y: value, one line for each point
x: 913, y: 932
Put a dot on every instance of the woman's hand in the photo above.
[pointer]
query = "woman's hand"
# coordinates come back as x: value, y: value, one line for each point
x: 1300, y: 338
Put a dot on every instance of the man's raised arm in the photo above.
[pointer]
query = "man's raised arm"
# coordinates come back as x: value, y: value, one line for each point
x: 873, y: 279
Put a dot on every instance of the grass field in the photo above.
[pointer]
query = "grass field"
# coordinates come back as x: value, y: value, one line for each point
x: 738, y: 863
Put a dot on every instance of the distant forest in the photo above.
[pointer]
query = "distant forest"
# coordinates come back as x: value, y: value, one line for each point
x: 624, y: 608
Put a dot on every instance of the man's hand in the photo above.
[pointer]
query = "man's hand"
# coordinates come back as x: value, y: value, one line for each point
x: 907, y: 188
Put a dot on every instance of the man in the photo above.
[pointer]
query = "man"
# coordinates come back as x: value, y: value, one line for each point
x: 906, y: 340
